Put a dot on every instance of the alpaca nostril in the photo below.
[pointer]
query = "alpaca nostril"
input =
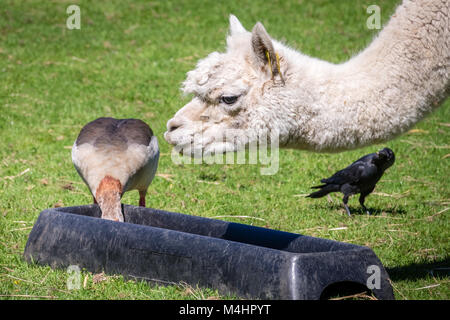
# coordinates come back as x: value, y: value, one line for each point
x: 173, y: 125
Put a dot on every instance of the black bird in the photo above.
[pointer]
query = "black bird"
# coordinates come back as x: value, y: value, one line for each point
x: 359, y: 177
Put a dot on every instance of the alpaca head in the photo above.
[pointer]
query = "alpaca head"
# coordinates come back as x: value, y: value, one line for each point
x: 232, y: 94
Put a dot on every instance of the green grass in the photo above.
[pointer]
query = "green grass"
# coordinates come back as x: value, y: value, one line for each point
x: 128, y: 60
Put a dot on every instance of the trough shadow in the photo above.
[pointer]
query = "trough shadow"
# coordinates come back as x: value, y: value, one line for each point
x: 262, y: 237
x: 415, y: 271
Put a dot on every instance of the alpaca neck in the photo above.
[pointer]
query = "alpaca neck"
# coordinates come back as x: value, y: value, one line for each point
x: 383, y: 91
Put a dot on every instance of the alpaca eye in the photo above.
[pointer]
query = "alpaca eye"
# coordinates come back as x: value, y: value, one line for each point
x: 229, y: 99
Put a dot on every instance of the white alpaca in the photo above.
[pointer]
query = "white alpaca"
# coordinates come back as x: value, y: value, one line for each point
x: 312, y: 104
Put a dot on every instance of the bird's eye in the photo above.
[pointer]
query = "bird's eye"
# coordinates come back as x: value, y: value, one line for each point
x: 229, y: 99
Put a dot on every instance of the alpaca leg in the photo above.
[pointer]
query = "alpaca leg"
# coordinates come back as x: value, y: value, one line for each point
x: 95, y: 201
x: 142, y: 198
x: 345, y: 200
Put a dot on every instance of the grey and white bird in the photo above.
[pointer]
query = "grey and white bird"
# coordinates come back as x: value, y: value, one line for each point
x: 359, y: 177
x: 113, y: 156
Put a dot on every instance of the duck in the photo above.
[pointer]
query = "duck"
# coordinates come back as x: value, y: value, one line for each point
x: 113, y: 156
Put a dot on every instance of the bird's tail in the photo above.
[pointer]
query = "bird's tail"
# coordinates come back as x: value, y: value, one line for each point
x: 324, y: 190
x: 108, y: 196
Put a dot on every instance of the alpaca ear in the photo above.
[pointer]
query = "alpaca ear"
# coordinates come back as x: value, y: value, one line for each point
x: 236, y: 26
x: 263, y: 48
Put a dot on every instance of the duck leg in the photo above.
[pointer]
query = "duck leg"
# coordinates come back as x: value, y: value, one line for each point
x: 142, y: 198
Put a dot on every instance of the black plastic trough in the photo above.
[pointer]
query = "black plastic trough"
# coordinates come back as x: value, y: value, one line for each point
x: 167, y: 247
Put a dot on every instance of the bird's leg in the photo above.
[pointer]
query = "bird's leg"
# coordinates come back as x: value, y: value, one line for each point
x: 345, y: 200
x: 362, y: 198
x: 142, y: 198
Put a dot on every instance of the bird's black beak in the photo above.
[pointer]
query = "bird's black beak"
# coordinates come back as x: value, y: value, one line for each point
x: 382, y: 154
